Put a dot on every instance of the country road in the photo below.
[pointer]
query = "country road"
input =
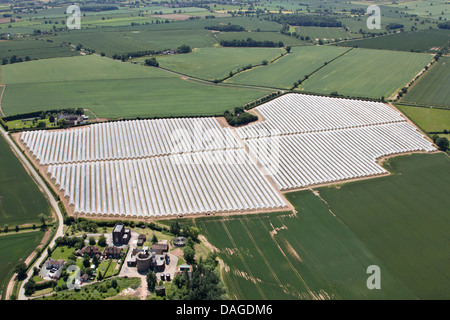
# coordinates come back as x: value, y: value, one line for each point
x: 37, y: 178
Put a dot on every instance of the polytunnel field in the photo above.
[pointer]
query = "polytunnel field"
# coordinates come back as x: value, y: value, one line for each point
x: 324, y: 140
x: 169, y: 167
x: 152, y: 168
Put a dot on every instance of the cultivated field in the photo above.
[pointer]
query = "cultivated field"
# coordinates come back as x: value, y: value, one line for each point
x: 34, y: 49
x: 423, y: 40
x: 113, y: 89
x: 290, y: 68
x: 432, y: 87
x: 316, y: 140
x: 403, y: 219
x: 307, y: 255
x: 21, y: 201
x: 429, y: 119
x: 367, y: 73
x: 324, y: 249
x: 217, y: 63
x: 15, y: 248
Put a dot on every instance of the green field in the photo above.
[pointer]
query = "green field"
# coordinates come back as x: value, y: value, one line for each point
x: 429, y: 119
x: 114, y: 89
x: 367, y: 73
x: 34, y: 49
x: 433, y: 87
x: 423, y: 40
x: 403, y: 220
x: 308, y: 255
x: 13, y: 249
x: 289, y: 69
x: 216, y: 63
x: 21, y: 201
x: 398, y: 223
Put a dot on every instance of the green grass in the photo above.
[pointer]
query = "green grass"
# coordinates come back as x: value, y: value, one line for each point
x: 367, y: 73
x: 403, y: 220
x: 21, y: 201
x: 216, y: 63
x: 432, y: 87
x: 429, y: 119
x: 114, y: 89
x: 290, y: 68
x: 15, y: 248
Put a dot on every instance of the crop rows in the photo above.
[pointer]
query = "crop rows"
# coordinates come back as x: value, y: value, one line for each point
x: 128, y: 140
x: 322, y: 157
x: 206, y: 182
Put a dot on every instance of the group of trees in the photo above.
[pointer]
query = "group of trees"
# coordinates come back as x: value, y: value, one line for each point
x: 306, y: 20
x: 14, y: 59
x: 251, y: 43
x: 441, y: 142
x: 204, y: 282
x: 239, y: 117
x: 226, y: 28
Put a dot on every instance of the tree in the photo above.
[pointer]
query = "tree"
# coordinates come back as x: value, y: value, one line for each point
x: 102, y: 241
x: 151, y: 281
x: 184, y: 48
x: 30, y: 287
x: 6, y: 228
x: 189, y: 254
x: 21, y: 270
x: 175, y: 228
x: 152, y: 62
x: 86, y: 262
x: 442, y: 143
x: 193, y: 232
x: 43, y: 218
x: 92, y: 241
x: 288, y: 49
x: 154, y: 239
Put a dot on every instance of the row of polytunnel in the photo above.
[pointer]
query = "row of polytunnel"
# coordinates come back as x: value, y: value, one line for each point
x: 128, y: 139
x: 302, y: 160
x: 299, y: 113
x: 206, y: 182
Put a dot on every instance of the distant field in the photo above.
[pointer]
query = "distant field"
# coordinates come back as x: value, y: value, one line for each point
x: 423, y: 40
x: 35, y: 49
x: 216, y: 63
x: 113, y: 89
x: 15, y: 248
x: 326, y: 34
x: 403, y: 220
x: 429, y: 119
x: 289, y: 69
x: 21, y: 201
x: 367, y: 73
x: 433, y: 87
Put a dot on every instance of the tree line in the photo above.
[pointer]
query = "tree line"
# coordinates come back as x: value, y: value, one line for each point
x: 251, y: 43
